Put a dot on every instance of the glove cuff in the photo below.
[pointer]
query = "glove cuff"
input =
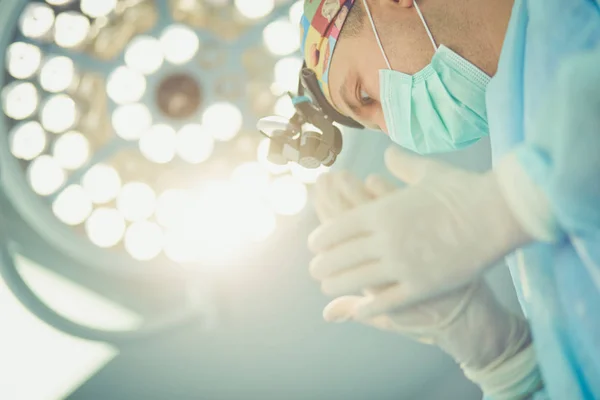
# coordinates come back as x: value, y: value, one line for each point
x: 526, y: 200
x: 514, y: 379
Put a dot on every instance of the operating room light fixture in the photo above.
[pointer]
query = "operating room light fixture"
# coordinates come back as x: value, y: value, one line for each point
x: 135, y: 128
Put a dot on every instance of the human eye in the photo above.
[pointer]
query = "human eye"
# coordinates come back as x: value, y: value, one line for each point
x: 364, y: 98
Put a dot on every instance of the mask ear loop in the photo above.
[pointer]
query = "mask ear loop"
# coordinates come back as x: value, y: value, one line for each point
x: 376, y: 34
x: 435, y: 47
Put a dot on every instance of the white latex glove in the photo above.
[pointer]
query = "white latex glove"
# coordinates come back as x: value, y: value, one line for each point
x: 432, y: 237
x: 470, y: 325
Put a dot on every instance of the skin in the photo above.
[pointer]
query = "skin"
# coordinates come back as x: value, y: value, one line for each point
x: 475, y: 29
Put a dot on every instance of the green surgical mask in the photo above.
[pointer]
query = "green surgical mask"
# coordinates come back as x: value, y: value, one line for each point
x: 441, y: 108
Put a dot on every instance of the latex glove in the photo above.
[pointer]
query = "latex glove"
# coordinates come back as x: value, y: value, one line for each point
x: 496, y: 357
x: 431, y: 237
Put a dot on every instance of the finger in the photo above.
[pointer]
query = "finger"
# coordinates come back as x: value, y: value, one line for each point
x: 353, y: 190
x: 407, y: 167
x: 349, y: 255
x: 378, y: 186
x: 340, y: 309
x: 338, y: 231
x: 385, y: 302
x: 354, y: 280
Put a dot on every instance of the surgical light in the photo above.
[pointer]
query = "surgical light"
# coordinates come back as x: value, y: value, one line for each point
x: 125, y: 85
x: 37, y: 20
x: 194, y: 144
x: 254, y: 9
x: 286, y: 74
x: 71, y: 150
x: 23, y: 60
x: 282, y: 38
x: 144, y: 55
x: 136, y: 201
x: 223, y: 121
x: 73, y: 205
x: 45, y: 175
x: 27, y: 140
x: 71, y: 28
x: 102, y: 183
x: 144, y: 240
x: 105, y: 227
x: 59, y: 113
x: 159, y: 144
x: 19, y: 100
x: 57, y: 74
x: 121, y: 148
x: 130, y: 121
x: 97, y: 8
x: 179, y: 44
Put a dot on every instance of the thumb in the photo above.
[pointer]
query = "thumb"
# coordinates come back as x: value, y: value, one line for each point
x: 407, y: 167
x: 341, y: 309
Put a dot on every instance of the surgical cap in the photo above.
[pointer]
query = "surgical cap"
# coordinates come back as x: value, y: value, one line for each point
x: 320, y: 29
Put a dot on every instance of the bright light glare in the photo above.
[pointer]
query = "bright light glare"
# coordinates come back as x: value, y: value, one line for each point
x: 287, y: 71
x: 125, y: 85
x: 131, y: 120
x: 19, y: 100
x: 144, y: 55
x: 136, y: 201
x: 45, y: 175
x: 284, y: 107
x: 262, y: 152
x: 251, y: 176
x: 307, y: 175
x: 296, y: 11
x: 222, y: 120
x: 71, y: 29
x: 281, y: 38
x: 212, y: 230
x: 71, y: 150
x: 258, y: 222
x: 57, y: 74
x: 179, y: 44
x: 73, y: 205
x: 102, y: 183
x: 194, y: 144
x: 23, y: 60
x: 287, y: 196
x: 59, y: 113
x: 36, y: 20
x: 97, y: 8
x: 105, y: 227
x: 172, y: 208
x: 254, y: 9
x: 144, y: 240
x: 158, y: 144
x: 27, y: 140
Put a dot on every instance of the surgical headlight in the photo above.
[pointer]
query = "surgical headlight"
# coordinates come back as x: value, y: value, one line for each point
x: 310, y: 138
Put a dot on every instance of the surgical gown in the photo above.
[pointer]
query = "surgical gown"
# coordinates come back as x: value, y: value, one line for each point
x: 544, y: 105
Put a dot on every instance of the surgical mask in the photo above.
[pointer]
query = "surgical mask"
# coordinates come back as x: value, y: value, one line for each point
x: 440, y: 108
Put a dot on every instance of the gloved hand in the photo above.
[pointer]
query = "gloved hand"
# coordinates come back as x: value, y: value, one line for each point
x: 435, y: 235
x: 492, y: 345
x: 468, y: 324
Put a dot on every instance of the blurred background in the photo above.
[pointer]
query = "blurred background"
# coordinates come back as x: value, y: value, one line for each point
x: 136, y: 196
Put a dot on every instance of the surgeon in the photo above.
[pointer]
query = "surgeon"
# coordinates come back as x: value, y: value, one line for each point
x: 437, y: 76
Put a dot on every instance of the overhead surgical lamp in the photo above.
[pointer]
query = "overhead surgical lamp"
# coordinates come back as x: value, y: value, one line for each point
x: 129, y: 141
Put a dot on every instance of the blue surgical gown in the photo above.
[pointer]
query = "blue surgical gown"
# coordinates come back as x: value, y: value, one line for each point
x: 544, y: 104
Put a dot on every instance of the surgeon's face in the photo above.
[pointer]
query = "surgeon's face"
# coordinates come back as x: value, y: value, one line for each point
x: 354, y: 71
